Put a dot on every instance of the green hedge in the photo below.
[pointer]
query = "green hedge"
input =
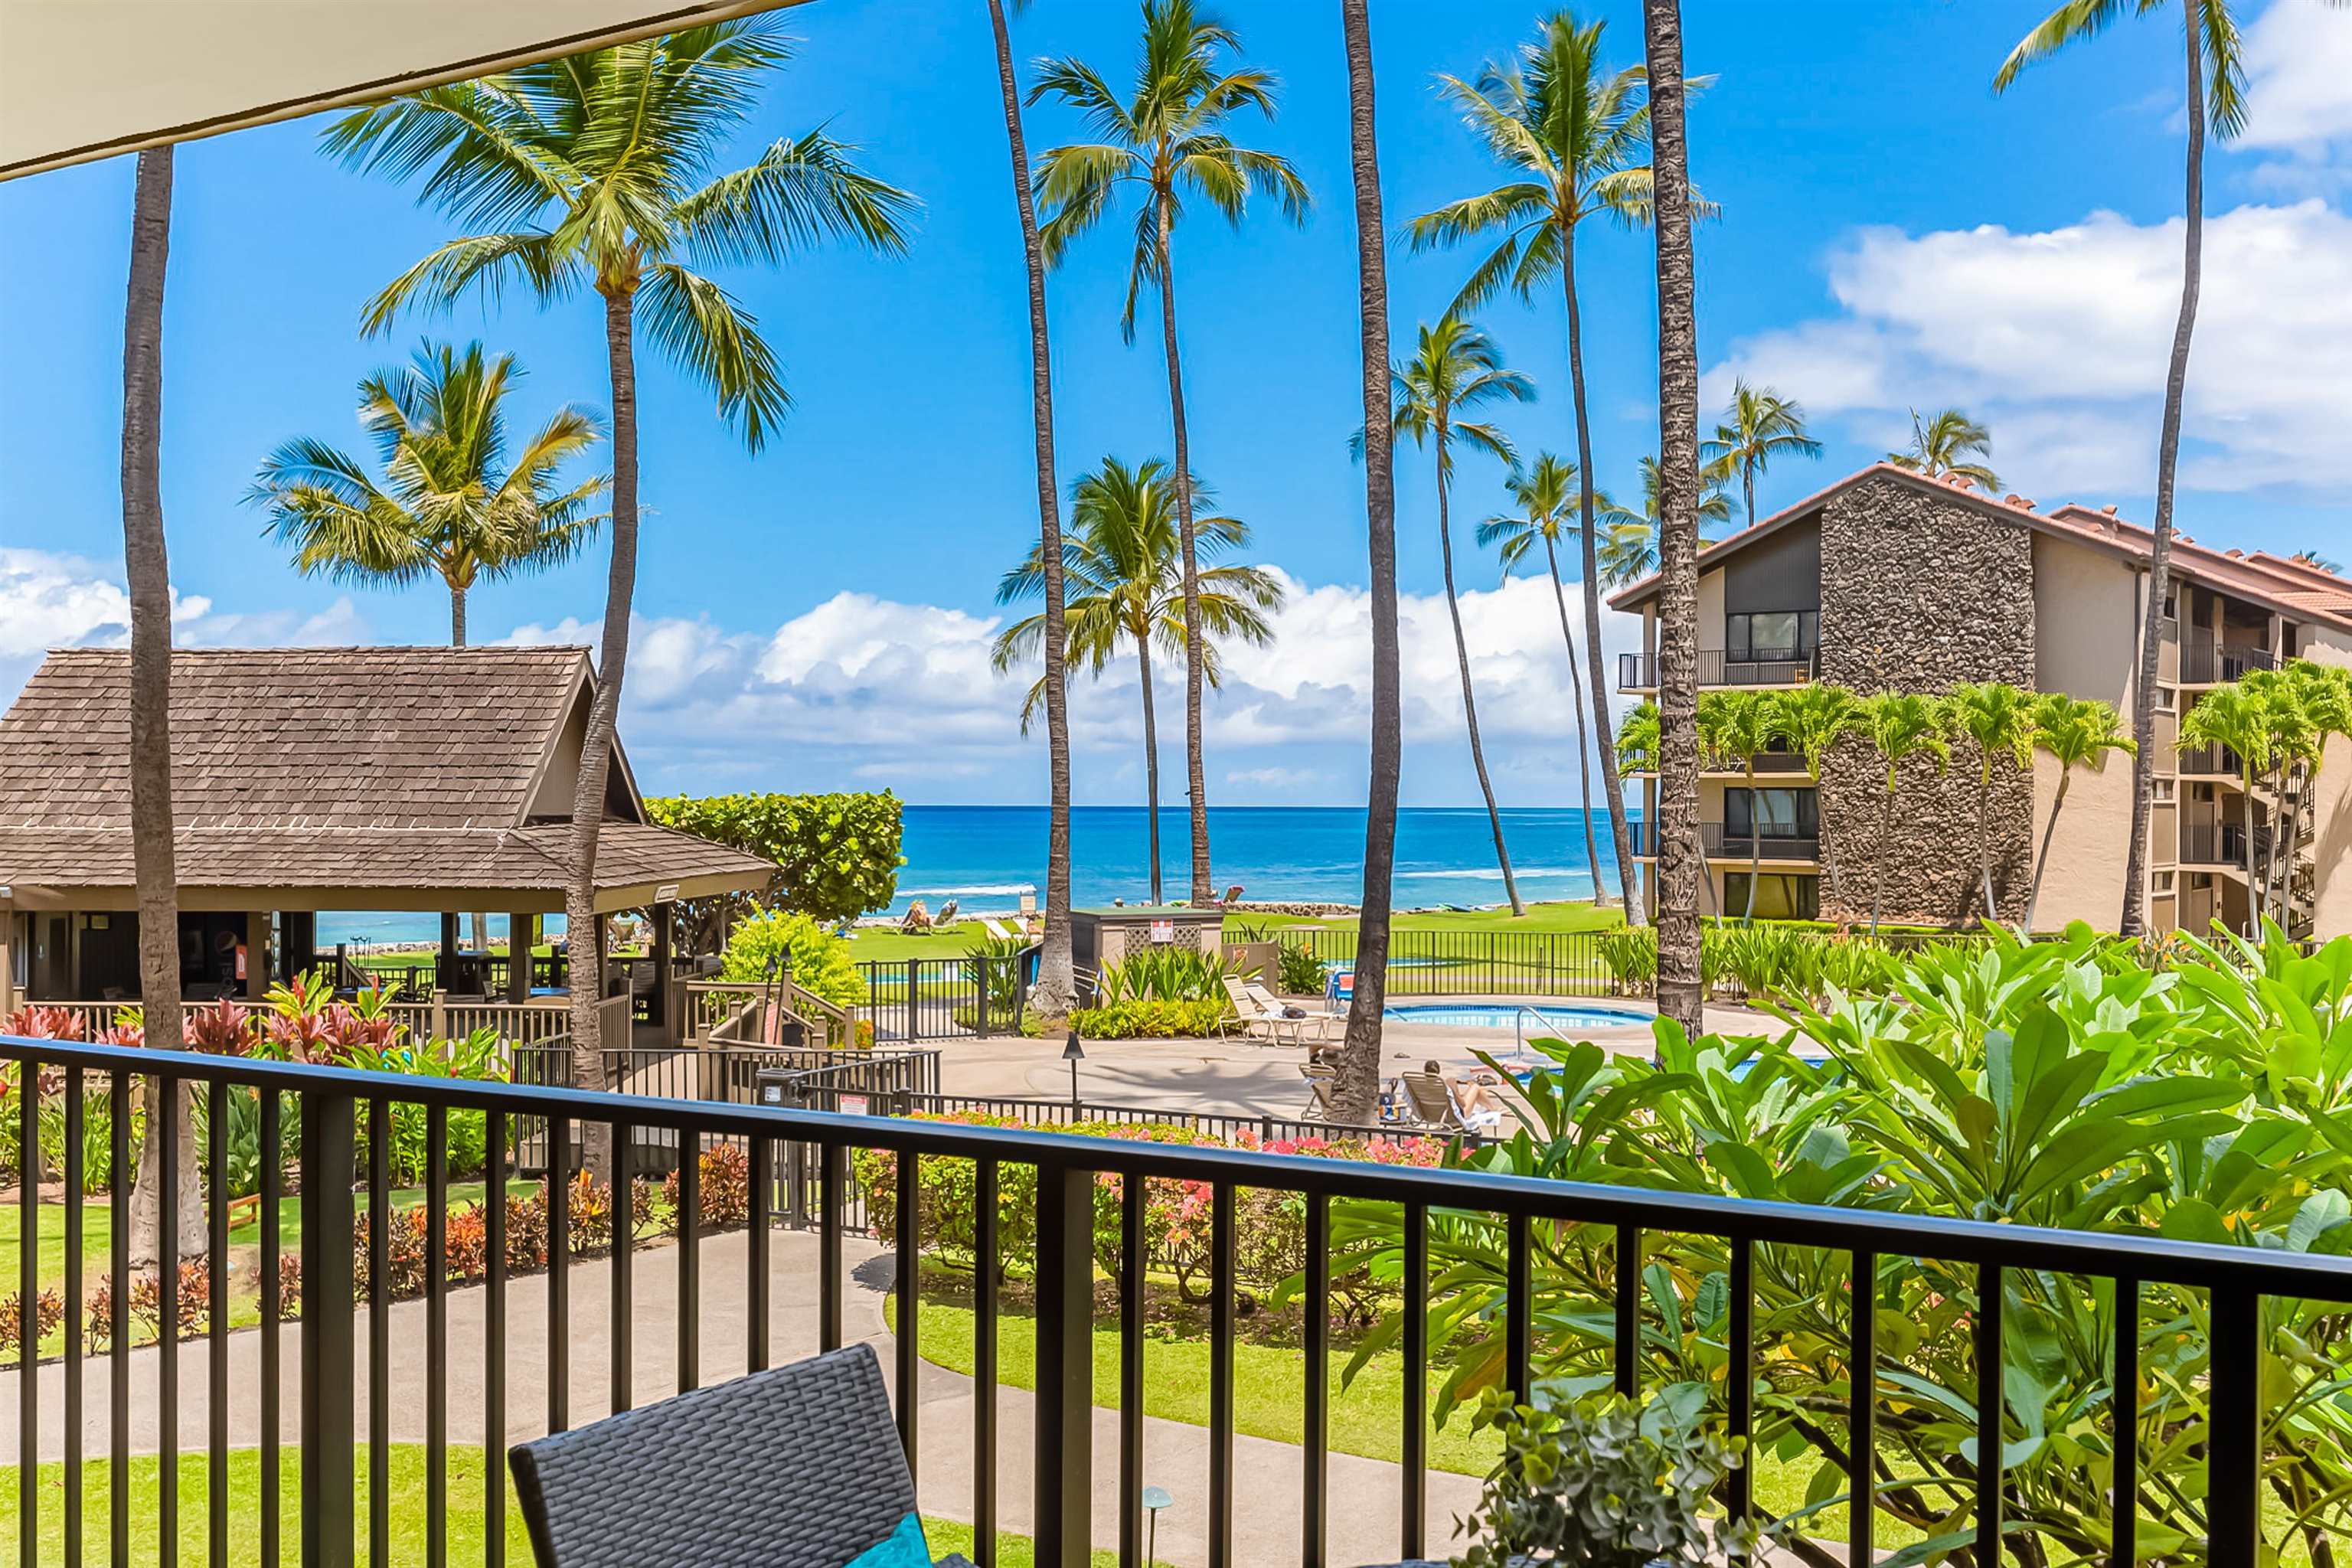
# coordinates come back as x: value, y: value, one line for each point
x: 836, y: 855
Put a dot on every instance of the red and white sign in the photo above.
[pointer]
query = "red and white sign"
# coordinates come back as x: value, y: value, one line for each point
x: 1163, y: 932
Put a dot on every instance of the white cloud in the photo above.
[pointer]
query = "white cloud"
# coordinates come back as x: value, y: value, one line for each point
x: 2298, y: 59
x: 49, y: 600
x: 2057, y: 340
x: 877, y: 691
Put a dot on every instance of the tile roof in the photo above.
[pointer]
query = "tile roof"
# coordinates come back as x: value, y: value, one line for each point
x: 345, y: 768
x: 2282, y: 582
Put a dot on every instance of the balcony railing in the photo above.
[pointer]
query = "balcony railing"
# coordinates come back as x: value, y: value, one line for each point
x: 2220, y: 844
x: 476, y: 1352
x: 1721, y: 844
x: 2209, y: 761
x: 2204, y: 664
x: 1718, y: 667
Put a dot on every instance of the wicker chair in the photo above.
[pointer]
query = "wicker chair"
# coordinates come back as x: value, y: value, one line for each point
x: 800, y: 1465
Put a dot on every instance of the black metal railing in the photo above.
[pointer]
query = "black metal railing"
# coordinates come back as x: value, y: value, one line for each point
x: 2204, y: 664
x: 2220, y: 843
x: 946, y: 998
x: 2209, y: 761
x: 347, y: 1231
x: 1721, y: 843
x: 1719, y: 667
x: 1464, y: 964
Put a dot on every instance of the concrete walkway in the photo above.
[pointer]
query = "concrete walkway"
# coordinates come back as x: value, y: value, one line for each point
x: 1365, y: 1494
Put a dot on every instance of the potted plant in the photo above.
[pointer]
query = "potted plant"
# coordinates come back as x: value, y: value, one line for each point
x: 1601, y: 1483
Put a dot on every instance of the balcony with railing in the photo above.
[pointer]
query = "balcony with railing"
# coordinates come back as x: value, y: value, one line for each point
x: 2207, y: 762
x: 792, y: 1227
x: 2208, y: 664
x: 1729, y: 666
x: 2220, y: 844
x: 1720, y: 842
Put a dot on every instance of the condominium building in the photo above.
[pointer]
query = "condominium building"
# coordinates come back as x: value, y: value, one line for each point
x: 1890, y: 581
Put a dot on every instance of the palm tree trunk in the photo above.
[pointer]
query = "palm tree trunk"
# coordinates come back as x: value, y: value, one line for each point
x: 1150, y: 755
x: 1196, y: 777
x: 2246, y: 850
x: 1360, y: 1056
x: 1885, y: 829
x: 1056, y: 990
x: 457, y: 616
x: 1754, y: 846
x: 1621, y: 832
x: 1984, y: 840
x: 147, y: 572
x: 2049, y: 836
x: 1583, y: 748
x: 1681, y: 988
x: 1357, y: 1097
x: 2168, y: 460
x: 587, y: 981
x: 1748, y: 484
x: 1469, y: 700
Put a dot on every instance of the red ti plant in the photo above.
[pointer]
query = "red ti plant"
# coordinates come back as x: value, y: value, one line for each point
x: 38, y: 1023
x: 224, y: 1029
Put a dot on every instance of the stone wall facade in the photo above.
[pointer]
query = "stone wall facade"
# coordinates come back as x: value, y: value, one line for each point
x: 1919, y: 591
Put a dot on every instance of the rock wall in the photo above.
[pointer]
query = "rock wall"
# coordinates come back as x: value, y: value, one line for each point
x: 1919, y: 591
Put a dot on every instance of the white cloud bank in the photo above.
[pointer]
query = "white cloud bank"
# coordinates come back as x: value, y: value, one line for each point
x: 2058, y: 338
x: 891, y: 691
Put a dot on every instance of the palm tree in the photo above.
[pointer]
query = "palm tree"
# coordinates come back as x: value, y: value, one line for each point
x: 1056, y: 991
x: 148, y: 574
x: 1901, y: 725
x: 595, y: 172
x: 448, y: 503
x: 1681, y: 984
x: 1457, y: 368
x: 1629, y: 545
x: 1760, y: 425
x: 1126, y: 579
x: 2210, y: 45
x: 1169, y: 141
x: 1543, y: 495
x: 1997, y: 719
x: 1940, y: 446
x: 1575, y: 137
x: 2237, y: 718
x: 1356, y: 1099
x: 2074, y: 732
x: 1742, y: 726
x: 1814, y: 719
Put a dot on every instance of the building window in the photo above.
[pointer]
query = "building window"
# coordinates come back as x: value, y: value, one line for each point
x: 1772, y: 812
x: 2164, y: 881
x: 2165, y: 698
x: 2163, y: 790
x: 1772, y: 634
x: 1779, y: 895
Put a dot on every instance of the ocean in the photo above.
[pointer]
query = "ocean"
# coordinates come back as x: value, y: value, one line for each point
x: 985, y: 857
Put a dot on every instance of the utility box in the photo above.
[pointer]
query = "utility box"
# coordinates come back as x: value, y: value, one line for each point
x: 1102, y: 938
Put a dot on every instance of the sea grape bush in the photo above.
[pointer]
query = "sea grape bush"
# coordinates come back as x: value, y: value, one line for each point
x: 2053, y: 1083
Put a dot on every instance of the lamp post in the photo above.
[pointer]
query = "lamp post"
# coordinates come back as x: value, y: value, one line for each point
x: 1074, y: 1056
x: 1154, y: 1500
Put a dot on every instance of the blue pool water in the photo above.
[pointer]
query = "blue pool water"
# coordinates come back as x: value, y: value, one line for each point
x: 1504, y: 1016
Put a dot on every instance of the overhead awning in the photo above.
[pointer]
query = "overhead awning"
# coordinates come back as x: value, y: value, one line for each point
x: 89, y: 79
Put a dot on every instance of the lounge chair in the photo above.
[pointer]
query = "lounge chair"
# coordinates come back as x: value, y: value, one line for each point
x: 1259, y: 1017
x: 1432, y: 1103
x: 1321, y: 1081
x: 947, y: 913
x: 800, y: 1465
x: 916, y: 921
x: 996, y: 928
x: 1321, y: 1023
x: 1232, y: 896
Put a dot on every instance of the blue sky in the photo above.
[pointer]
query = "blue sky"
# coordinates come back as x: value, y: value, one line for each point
x: 1892, y: 235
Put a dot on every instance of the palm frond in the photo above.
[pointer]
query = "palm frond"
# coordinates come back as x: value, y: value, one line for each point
x: 797, y: 193
x: 704, y: 334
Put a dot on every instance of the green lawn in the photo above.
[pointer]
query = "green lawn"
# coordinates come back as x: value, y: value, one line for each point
x: 1269, y: 1395
x: 408, y: 1468
x: 1556, y: 916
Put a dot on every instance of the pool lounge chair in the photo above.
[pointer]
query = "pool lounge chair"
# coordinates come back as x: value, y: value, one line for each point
x: 1319, y: 1023
x: 1321, y: 1083
x: 1248, y: 1018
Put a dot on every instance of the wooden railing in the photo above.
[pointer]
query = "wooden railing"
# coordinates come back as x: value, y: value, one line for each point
x: 712, y: 1006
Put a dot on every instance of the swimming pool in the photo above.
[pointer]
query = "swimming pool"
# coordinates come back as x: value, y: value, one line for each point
x: 1506, y: 1015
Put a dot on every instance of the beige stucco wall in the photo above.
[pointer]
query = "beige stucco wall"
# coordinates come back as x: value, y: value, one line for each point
x: 1710, y: 612
x: 2333, y: 847
x: 2084, y: 608
x: 2084, y: 881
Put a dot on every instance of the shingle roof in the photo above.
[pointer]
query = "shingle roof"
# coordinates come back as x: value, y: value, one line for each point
x: 281, y: 738
x: 334, y: 768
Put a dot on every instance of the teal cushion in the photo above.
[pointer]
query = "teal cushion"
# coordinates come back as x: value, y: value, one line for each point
x: 903, y: 1548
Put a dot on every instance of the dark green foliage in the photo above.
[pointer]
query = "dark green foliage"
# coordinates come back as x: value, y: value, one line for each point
x: 1149, y: 1020
x: 836, y: 855
x: 1298, y: 971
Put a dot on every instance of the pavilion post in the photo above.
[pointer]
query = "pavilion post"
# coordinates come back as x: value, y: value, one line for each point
x: 8, y: 956
x: 446, y: 969
x: 521, y: 937
x: 256, y: 955
x: 664, y: 925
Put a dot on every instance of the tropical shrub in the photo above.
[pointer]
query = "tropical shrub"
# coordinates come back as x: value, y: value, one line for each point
x: 1600, y: 1483
x: 821, y: 962
x: 836, y: 855
x: 1165, y: 974
x: 48, y: 1313
x: 1632, y: 955
x: 726, y: 1178
x: 1298, y: 971
x: 995, y: 963
x: 2041, y: 1084
x: 1142, y: 1020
